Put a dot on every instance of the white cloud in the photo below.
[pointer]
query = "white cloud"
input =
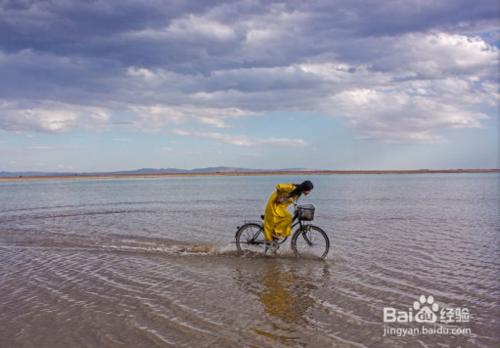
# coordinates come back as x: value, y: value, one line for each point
x: 240, y: 140
x: 213, y: 121
x: 50, y: 116
x: 144, y: 73
x: 398, y: 116
x: 196, y: 25
x: 188, y: 28
x: 158, y: 115
x: 266, y: 29
x: 437, y: 55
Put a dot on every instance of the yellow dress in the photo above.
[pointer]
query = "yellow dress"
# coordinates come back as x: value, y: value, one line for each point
x: 277, y: 218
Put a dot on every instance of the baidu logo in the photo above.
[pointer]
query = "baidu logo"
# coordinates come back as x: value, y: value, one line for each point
x: 433, y: 319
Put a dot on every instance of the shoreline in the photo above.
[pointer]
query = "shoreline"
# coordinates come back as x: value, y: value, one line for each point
x: 258, y: 173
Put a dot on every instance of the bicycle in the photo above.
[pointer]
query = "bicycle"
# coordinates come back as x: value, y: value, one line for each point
x: 307, y: 239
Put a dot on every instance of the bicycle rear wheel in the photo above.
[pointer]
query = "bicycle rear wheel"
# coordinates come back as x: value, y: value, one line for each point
x: 310, y: 241
x: 250, y: 239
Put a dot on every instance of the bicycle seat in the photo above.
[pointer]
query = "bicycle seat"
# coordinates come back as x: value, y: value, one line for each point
x: 262, y: 217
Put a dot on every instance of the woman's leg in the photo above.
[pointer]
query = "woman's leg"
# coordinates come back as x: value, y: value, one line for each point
x: 268, y: 228
x: 283, y: 225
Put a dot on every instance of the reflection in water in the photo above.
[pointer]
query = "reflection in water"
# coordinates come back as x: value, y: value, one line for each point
x: 284, y: 290
x: 284, y: 295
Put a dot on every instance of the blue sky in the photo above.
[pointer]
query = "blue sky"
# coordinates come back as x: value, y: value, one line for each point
x: 91, y: 86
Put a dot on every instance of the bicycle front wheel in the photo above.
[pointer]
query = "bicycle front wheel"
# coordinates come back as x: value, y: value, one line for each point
x: 310, y: 241
x: 250, y: 239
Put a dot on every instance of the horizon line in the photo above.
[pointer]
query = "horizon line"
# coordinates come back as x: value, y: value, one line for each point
x: 82, y: 175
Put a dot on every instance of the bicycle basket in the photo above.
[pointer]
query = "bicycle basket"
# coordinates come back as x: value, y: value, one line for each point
x: 305, y: 212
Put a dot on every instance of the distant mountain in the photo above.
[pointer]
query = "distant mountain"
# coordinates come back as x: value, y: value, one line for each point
x: 148, y: 171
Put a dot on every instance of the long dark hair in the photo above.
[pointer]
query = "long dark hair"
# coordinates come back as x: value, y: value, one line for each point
x: 303, y: 187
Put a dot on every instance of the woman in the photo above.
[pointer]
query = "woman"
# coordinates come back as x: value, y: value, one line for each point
x: 277, y: 218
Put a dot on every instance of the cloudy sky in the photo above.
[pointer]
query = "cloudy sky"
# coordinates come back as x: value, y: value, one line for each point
x: 106, y: 85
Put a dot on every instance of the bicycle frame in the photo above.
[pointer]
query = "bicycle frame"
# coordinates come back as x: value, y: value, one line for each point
x: 298, y: 222
x: 301, y: 227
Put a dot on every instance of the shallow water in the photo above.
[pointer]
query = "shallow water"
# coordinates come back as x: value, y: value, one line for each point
x: 151, y: 262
